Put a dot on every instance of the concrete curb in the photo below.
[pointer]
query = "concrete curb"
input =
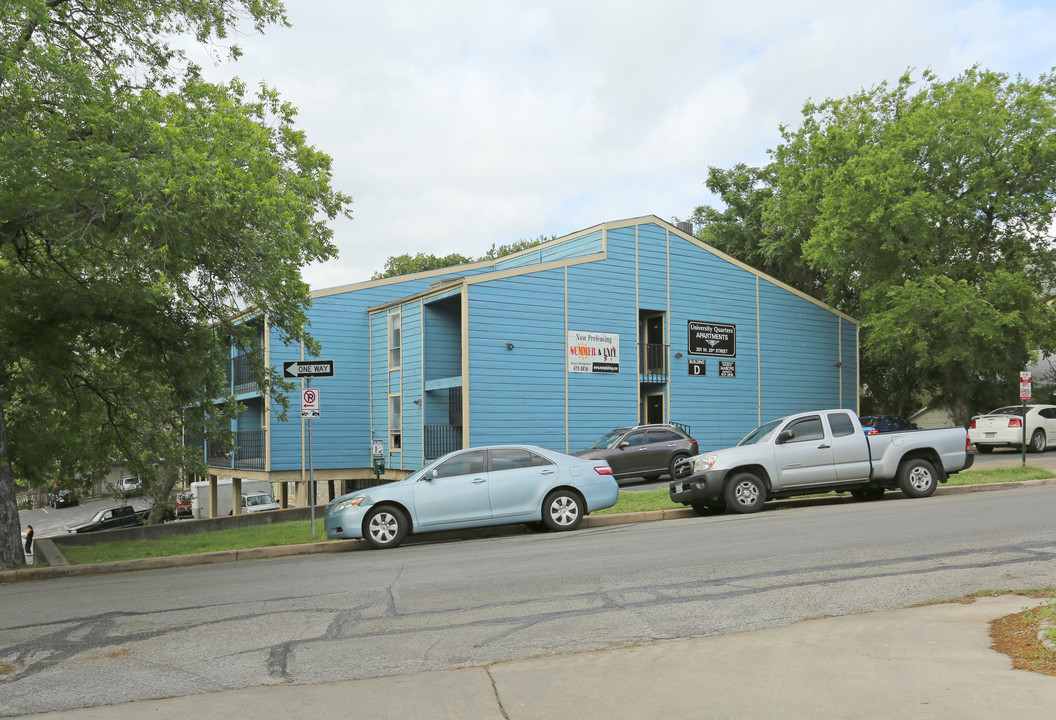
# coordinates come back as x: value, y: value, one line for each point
x: 59, y: 567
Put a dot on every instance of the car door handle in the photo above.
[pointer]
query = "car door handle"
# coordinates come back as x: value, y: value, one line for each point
x: 824, y: 446
x: 548, y: 472
x: 478, y: 481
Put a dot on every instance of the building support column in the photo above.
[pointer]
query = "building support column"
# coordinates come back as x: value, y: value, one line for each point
x: 236, y: 496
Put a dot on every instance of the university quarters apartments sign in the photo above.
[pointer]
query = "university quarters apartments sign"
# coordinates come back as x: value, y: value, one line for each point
x: 593, y: 352
x: 712, y: 339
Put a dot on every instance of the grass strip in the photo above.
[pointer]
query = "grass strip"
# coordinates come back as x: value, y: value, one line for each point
x: 1018, y: 473
x: 289, y: 533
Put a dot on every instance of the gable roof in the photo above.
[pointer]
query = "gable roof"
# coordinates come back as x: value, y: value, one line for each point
x: 485, y: 270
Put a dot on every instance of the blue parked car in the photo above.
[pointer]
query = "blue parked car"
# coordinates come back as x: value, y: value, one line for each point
x: 873, y: 424
x: 493, y: 485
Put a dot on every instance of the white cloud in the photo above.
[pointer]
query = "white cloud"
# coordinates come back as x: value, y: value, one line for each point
x: 461, y: 124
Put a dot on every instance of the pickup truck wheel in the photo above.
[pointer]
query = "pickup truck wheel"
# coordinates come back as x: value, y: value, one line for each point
x: 714, y: 507
x: 917, y: 478
x: 745, y: 493
x: 867, y: 493
x: 1038, y: 442
x: 385, y: 527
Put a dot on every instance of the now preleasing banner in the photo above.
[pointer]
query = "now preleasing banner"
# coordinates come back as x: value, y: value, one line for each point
x: 593, y: 352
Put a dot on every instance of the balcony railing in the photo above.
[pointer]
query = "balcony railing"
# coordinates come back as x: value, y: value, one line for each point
x: 248, y: 453
x: 442, y: 439
x: 242, y: 380
x: 683, y: 427
x: 652, y: 363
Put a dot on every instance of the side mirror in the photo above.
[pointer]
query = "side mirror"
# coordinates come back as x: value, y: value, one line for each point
x: 431, y: 475
x: 623, y: 445
x: 785, y: 436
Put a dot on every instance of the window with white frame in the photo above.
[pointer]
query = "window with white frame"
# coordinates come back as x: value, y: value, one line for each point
x: 395, y: 423
x: 394, y: 340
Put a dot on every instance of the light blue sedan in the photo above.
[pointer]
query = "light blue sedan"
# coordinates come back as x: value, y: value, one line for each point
x: 494, y: 485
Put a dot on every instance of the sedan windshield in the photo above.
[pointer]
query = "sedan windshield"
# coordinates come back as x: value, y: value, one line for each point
x: 607, y: 440
x: 761, y: 434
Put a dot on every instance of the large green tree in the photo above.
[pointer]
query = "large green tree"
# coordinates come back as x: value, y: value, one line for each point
x: 140, y: 208
x: 925, y: 209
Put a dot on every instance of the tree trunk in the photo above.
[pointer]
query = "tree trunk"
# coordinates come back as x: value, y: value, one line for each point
x: 160, y: 496
x: 11, y: 549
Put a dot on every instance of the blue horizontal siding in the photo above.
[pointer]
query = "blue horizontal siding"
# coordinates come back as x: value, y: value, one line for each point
x: 705, y: 287
x: 517, y: 395
x: 800, y: 348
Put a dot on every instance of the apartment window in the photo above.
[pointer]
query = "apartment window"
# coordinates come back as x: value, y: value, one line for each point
x: 394, y: 340
x: 395, y: 423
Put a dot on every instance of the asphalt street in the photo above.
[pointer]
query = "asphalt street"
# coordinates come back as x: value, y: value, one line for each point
x: 439, y: 606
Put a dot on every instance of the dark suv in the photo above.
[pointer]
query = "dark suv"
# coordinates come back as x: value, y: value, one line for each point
x: 645, y: 451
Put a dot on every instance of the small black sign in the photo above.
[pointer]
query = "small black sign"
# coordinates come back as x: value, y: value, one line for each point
x: 727, y: 368
x: 708, y: 338
x: 698, y: 367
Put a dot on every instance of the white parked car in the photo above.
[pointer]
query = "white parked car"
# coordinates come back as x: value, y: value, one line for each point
x: 258, y: 502
x: 129, y: 485
x: 1004, y: 428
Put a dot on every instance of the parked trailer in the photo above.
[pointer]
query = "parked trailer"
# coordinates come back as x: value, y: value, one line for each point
x: 200, y: 497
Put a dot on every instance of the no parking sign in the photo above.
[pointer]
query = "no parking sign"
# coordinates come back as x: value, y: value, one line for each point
x: 310, y: 404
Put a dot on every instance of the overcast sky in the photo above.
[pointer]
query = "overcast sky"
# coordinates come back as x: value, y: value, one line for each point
x: 458, y: 124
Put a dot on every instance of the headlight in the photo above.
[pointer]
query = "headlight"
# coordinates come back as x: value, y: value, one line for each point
x: 345, y: 504
x: 702, y: 463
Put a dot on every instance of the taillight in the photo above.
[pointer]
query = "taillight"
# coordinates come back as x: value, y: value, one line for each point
x: 603, y: 470
x: 696, y: 451
x: 874, y: 431
x: 971, y: 425
x: 1015, y: 422
x: 967, y: 443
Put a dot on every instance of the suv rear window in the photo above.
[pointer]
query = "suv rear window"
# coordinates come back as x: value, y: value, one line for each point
x: 664, y: 436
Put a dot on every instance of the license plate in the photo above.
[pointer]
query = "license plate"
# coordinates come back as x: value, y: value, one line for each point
x: 990, y: 435
x: 680, y: 488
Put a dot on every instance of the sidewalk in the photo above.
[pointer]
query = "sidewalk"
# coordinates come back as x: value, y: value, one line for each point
x: 929, y: 662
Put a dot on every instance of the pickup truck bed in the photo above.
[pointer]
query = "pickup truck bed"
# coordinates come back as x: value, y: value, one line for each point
x: 819, y: 451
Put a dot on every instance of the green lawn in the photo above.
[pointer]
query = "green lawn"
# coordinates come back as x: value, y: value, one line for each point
x: 290, y: 533
x: 1017, y: 473
x: 639, y: 501
x: 293, y: 533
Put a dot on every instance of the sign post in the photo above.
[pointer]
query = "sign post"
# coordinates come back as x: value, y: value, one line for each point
x: 1024, y: 398
x: 310, y: 409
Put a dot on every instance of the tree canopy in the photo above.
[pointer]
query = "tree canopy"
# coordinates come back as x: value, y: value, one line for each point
x: 924, y: 209
x: 140, y: 208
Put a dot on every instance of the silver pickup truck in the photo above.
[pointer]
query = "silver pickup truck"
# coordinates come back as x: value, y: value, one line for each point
x: 819, y: 451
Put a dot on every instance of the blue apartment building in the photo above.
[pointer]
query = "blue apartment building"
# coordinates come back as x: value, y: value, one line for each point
x: 626, y: 322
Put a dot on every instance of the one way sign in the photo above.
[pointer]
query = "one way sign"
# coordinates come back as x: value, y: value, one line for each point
x: 309, y: 369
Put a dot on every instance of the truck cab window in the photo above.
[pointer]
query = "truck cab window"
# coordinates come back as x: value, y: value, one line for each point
x: 840, y: 424
x: 806, y: 429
